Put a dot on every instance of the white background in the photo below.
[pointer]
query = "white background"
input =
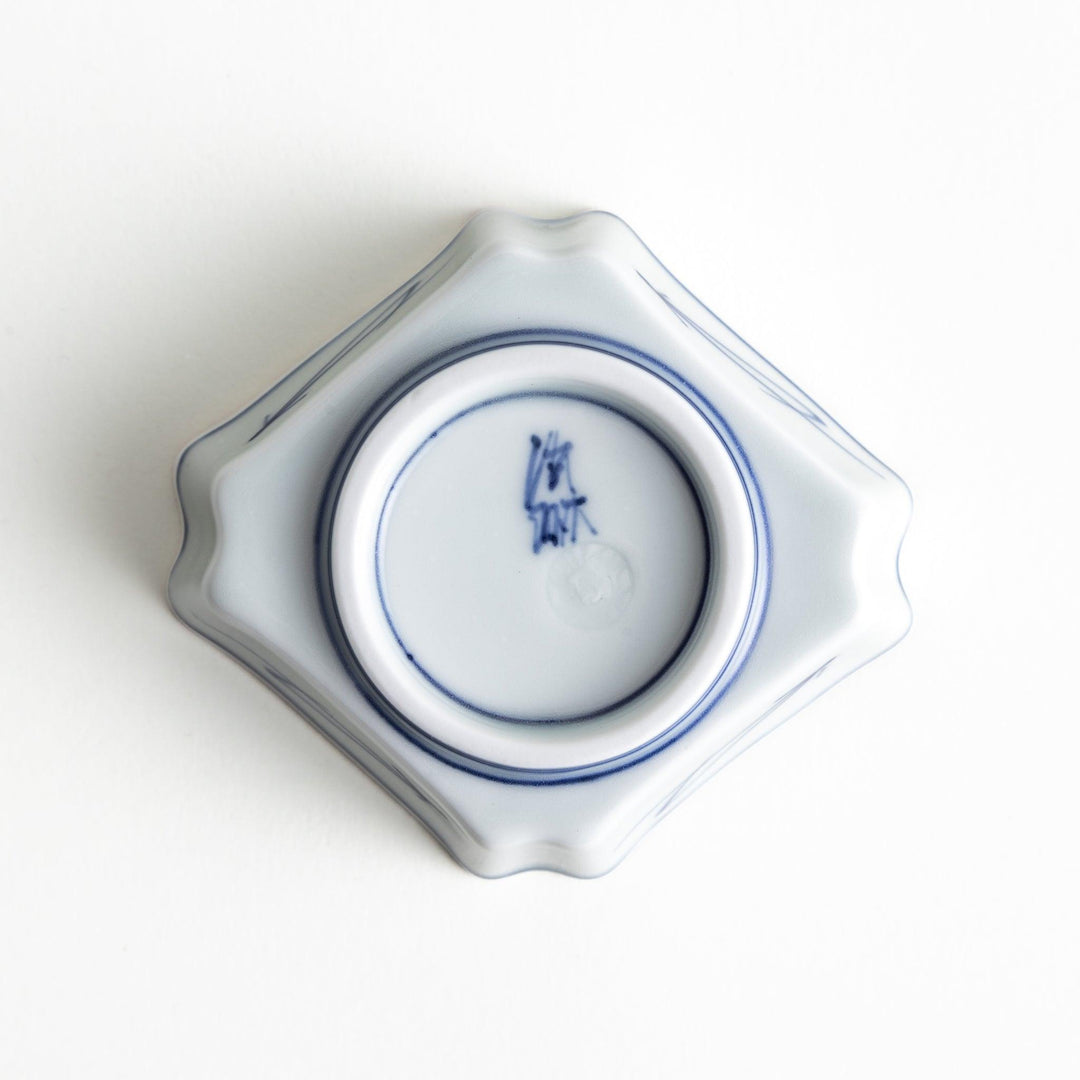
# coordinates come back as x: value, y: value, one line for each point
x: 882, y: 197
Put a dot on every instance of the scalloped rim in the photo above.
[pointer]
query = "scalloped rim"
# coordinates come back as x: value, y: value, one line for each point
x: 612, y: 812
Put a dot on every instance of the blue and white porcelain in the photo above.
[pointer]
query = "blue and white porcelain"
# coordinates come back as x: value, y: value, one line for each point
x: 541, y: 544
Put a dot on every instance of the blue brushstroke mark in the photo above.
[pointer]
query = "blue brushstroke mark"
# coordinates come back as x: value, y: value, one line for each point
x: 555, y: 520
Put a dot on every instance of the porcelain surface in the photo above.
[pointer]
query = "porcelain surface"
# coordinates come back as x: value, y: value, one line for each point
x: 541, y: 544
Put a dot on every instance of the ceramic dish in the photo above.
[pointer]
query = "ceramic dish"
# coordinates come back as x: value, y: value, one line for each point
x: 541, y: 544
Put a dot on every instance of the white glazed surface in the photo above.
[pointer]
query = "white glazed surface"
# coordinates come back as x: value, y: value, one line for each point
x: 253, y: 494
x: 566, y: 629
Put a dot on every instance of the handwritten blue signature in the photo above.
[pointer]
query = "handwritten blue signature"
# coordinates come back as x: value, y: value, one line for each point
x: 555, y: 517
